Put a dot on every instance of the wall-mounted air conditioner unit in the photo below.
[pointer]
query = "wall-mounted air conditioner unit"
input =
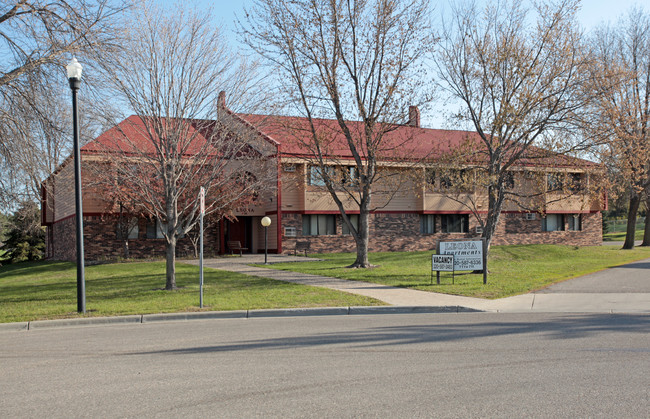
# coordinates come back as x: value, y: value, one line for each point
x: 530, y: 216
x: 289, y: 167
x: 479, y: 230
x: 290, y: 232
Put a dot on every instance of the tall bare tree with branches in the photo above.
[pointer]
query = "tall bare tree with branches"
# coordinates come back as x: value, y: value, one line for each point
x: 356, y: 62
x: 37, y: 38
x: 620, y: 114
x: 518, y: 75
x: 170, y: 73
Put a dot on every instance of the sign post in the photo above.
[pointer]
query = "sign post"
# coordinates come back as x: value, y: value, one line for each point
x: 485, y: 268
x: 201, y: 213
x: 469, y: 255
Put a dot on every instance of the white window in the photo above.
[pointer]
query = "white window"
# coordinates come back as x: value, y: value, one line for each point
x: 134, y: 230
x: 553, y: 222
x: 354, y: 219
x: 161, y: 230
x: 350, y: 176
x: 430, y: 176
x: 318, y: 225
x: 575, y: 222
x: 156, y: 229
x: 316, y: 175
x: 131, y: 225
x: 454, y: 223
x: 427, y: 223
x: 554, y: 182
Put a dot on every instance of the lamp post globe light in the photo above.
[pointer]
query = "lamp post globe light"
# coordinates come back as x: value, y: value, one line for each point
x: 74, y: 77
x: 266, y: 222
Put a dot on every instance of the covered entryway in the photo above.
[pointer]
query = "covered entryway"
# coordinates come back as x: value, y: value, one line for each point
x: 240, y: 230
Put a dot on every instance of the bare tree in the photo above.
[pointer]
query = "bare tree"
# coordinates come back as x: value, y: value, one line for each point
x: 170, y: 74
x: 620, y: 116
x: 38, y: 144
x: 518, y: 75
x: 37, y: 38
x: 358, y: 63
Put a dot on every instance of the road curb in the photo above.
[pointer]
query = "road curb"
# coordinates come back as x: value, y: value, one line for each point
x: 236, y: 314
x: 12, y: 327
x: 86, y: 321
x: 164, y: 317
x: 299, y: 312
x: 411, y: 310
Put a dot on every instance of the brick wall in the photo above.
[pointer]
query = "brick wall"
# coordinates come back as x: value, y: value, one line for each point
x: 514, y: 229
x: 101, y: 242
x: 401, y: 232
x: 388, y: 232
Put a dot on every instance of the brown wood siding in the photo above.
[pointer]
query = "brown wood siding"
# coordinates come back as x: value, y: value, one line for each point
x: 258, y: 234
x: 293, y: 188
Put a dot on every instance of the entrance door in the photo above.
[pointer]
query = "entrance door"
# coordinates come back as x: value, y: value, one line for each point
x: 240, y: 231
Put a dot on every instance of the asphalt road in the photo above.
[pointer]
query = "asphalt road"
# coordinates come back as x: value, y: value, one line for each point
x: 424, y: 365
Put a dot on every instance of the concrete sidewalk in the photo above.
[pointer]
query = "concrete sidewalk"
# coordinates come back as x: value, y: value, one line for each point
x: 543, y: 301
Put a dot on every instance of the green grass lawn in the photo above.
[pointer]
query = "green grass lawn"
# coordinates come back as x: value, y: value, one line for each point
x: 620, y: 236
x: 513, y: 269
x: 48, y: 290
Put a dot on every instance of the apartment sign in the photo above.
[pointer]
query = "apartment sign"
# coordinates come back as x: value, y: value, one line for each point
x: 468, y: 255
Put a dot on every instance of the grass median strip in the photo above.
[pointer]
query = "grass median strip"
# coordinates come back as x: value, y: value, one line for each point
x: 513, y: 269
x: 47, y: 290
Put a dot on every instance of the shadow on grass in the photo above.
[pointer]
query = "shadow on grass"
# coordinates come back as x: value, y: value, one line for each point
x: 35, y: 268
x: 563, y: 328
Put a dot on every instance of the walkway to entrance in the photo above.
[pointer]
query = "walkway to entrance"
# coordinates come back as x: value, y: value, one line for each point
x: 610, y: 300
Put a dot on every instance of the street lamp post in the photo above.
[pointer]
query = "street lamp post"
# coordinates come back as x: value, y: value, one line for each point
x: 74, y: 77
x: 266, y: 222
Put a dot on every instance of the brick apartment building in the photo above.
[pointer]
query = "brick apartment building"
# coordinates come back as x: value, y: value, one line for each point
x: 416, y: 216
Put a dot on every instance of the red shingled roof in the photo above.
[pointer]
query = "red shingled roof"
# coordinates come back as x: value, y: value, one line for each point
x: 401, y: 142
x: 131, y: 136
x: 293, y: 134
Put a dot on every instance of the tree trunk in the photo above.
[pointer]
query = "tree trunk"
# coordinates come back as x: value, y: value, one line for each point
x: 635, y: 200
x: 646, y: 231
x: 495, y: 202
x: 171, y: 265
x: 362, y: 240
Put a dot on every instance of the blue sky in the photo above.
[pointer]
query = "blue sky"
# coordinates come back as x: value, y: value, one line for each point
x: 592, y: 12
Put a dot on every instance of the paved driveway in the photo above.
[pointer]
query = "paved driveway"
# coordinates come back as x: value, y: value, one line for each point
x: 631, y: 278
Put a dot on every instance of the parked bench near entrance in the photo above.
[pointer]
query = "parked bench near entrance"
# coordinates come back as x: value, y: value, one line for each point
x: 235, y: 246
x: 301, y: 247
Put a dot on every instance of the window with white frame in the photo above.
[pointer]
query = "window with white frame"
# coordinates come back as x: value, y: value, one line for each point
x: 430, y: 176
x: 427, y: 223
x: 349, y: 175
x: 128, y: 227
x: 354, y: 219
x: 454, y: 223
x: 156, y: 229
x: 553, y: 222
x: 318, y: 225
x: 554, y: 182
x: 316, y: 174
x: 575, y: 182
x: 575, y: 222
